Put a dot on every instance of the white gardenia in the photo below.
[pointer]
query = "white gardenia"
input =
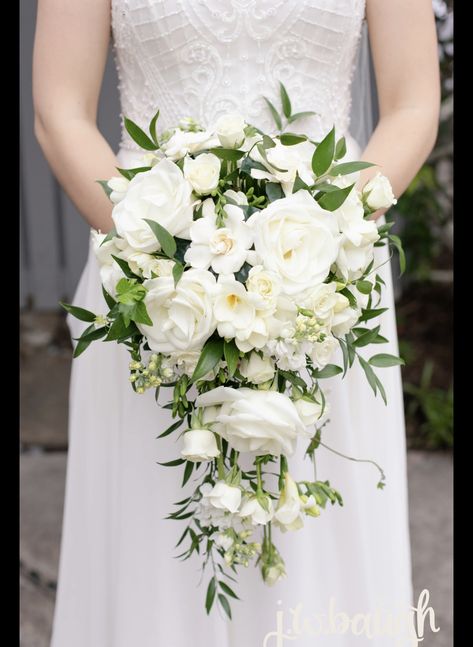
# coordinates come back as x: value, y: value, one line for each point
x: 224, y: 497
x: 161, y: 194
x: 224, y: 249
x: 288, y: 514
x: 230, y: 130
x: 119, y: 186
x: 252, y: 509
x: 183, y: 142
x: 199, y: 445
x: 203, y: 172
x: 257, y: 369
x: 182, y: 315
x: 378, y: 192
x: 297, y: 239
x: 308, y: 410
x: 265, y: 422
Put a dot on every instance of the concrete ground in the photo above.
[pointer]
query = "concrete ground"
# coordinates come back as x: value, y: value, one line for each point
x: 43, y: 435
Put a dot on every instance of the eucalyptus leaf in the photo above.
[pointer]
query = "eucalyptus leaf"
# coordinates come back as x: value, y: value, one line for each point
x: 291, y: 139
x: 274, y: 113
x: 328, y: 371
x: 384, y: 360
x: 300, y: 115
x: 274, y: 191
x: 370, y: 374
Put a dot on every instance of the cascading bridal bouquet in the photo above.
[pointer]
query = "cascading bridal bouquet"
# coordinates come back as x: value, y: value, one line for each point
x: 240, y: 261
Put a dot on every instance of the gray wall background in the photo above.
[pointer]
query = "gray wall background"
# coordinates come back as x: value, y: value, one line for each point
x: 53, y: 236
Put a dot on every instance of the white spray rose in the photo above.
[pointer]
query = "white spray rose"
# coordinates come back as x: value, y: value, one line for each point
x: 182, y: 315
x: 199, y: 445
x: 224, y: 249
x: 265, y: 422
x: 378, y: 192
x: 230, y: 129
x: 161, y: 194
x: 110, y: 271
x: 257, y: 369
x: 183, y: 142
x: 252, y: 509
x: 288, y: 511
x: 297, y: 239
x: 224, y: 497
x: 203, y: 172
x: 322, y: 351
x: 119, y: 187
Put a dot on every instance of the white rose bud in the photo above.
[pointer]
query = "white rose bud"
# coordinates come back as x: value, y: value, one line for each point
x: 224, y: 497
x: 257, y: 369
x: 378, y: 192
x: 119, y: 187
x: 230, y: 130
x: 203, y: 172
x: 308, y: 410
x: 199, y: 445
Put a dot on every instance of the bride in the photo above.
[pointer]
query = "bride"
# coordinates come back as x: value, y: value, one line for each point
x: 119, y: 585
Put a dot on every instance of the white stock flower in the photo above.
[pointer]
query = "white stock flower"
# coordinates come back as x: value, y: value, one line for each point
x: 288, y: 511
x: 240, y: 314
x: 297, y: 239
x: 257, y: 369
x: 265, y: 422
x: 322, y: 351
x: 224, y: 249
x: 224, y: 497
x: 183, y: 142
x: 199, y: 445
x: 230, y: 130
x: 119, y: 187
x: 161, y: 194
x: 182, y: 315
x: 252, y: 509
x: 203, y: 172
x: 308, y: 410
x: 378, y: 192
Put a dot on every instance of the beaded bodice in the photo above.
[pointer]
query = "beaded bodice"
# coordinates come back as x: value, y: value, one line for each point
x: 202, y: 58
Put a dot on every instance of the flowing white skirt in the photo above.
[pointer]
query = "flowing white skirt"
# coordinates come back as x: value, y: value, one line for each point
x: 119, y: 585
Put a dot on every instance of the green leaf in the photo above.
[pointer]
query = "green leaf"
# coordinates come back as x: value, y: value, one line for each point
x: 340, y: 149
x: 300, y: 115
x: 349, y: 167
x: 78, y: 313
x: 177, y: 272
x: 152, y: 129
x: 129, y: 291
x: 323, y: 154
x: 370, y: 375
x: 209, y: 358
x: 366, y: 338
x: 366, y: 315
x: 110, y: 236
x: 274, y: 113
x: 109, y: 299
x: 139, y: 136
x: 249, y: 164
x: 187, y: 472
x: 92, y: 335
x: 171, y: 428
x: 381, y: 389
x: 167, y: 242
x: 129, y: 173
x: 262, y: 152
x: 384, y: 360
x: 232, y: 355
x: 230, y: 154
x: 105, y: 187
x: 267, y: 142
x: 174, y: 463
x: 228, y: 590
x: 81, y: 344
x: 325, y: 187
x: 334, y: 199
x: 225, y: 605
x: 286, y: 102
x: 125, y: 267
x: 396, y: 241
x: 364, y: 287
x: 136, y: 312
x: 274, y: 191
x: 299, y: 184
x: 290, y: 139
x: 119, y: 330
x: 210, y: 597
x: 328, y: 371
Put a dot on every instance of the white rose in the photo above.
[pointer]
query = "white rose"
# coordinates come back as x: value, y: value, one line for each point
x: 252, y: 509
x: 230, y: 130
x: 257, y: 369
x: 183, y: 142
x: 224, y: 497
x: 203, y: 172
x: 237, y: 196
x: 161, y: 194
x: 322, y: 351
x: 308, y: 410
x: 273, y: 574
x: 224, y: 249
x: 378, y: 192
x: 110, y: 271
x: 119, y: 187
x: 297, y: 239
x: 182, y: 315
x: 199, y: 445
x: 146, y: 265
x: 264, y: 282
x: 352, y: 260
x: 265, y: 422
x: 288, y: 515
x: 284, y: 163
x: 321, y: 299
x: 240, y: 314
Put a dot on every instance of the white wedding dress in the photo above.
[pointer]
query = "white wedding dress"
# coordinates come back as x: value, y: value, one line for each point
x: 119, y: 585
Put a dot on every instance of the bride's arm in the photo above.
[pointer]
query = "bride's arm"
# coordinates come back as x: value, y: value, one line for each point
x: 404, y: 47
x: 70, y: 52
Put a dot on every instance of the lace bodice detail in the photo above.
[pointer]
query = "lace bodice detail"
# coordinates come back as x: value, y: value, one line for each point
x: 203, y: 58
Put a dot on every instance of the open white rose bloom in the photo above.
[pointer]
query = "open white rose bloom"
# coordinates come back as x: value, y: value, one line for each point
x: 240, y: 275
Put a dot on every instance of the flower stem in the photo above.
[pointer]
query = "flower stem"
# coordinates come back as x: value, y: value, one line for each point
x: 356, y: 460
